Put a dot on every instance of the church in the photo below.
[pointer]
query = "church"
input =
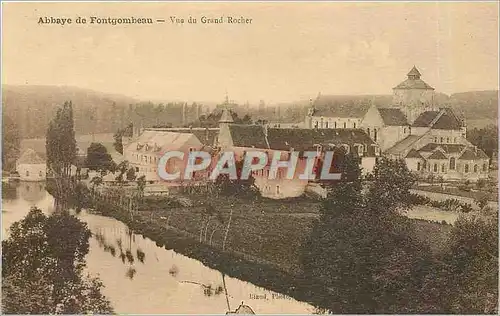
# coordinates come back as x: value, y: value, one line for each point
x: 432, y: 140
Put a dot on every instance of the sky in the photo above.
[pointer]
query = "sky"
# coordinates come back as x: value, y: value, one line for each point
x: 291, y: 51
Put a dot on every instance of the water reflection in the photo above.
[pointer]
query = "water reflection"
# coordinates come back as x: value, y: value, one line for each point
x: 142, y: 278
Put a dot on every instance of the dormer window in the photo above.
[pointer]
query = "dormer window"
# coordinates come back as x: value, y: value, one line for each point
x: 360, y: 150
x: 347, y: 148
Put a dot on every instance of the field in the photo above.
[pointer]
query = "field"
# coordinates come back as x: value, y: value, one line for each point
x: 265, y: 231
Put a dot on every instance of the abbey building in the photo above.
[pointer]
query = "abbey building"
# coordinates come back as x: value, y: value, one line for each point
x: 432, y: 140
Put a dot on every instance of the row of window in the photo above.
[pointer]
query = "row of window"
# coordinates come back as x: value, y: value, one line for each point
x: 445, y: 140
x: 452, y: 166
x: 327, y: 124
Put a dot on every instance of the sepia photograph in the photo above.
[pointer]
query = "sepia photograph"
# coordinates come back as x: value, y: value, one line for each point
x: 217, y: 157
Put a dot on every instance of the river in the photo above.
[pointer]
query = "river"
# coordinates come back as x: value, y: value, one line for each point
x: 165, y: 282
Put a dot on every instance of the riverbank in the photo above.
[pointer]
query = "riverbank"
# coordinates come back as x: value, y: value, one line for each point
x: 263, y: 241
x: 230, y: 262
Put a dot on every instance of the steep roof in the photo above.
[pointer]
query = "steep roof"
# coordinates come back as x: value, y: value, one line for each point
x: 331, y: 106
x: 393, y: 116
x: 413, y: 84
x: 414, y: 72
x: 472, y: 154
x: 403, y: 144
x: 206, y: 136
x: 438, y: 154
x: 30, y: 157
x: 413, y: 81
x: 248, y: 136
x: 448, y: 148
x: 160, y: 141
x: 425, y: 119
x: 448, y: 121
x: 300, y: 139
x: 306, y: 139
x: 414, y: 154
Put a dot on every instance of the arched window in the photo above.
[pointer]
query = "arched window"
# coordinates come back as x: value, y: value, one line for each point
x: 375, y: 135
x: 345, y: 124
x: 475, y: 168
x: 321, y: 126
x: 466, y: 168
x: 354, y: 125
x: 335, y: 124
x: 435, y: 167
x: 277, y: 189
x: 27, y: 173
x: 418, y: 166
x: 443, y: 168
x: 452, y: 163
x: 40, y: 173
x: 368, y: 131
x: 447, y: 140
x: 442, y: 140
x: 485, y: 167
x: 326, y: 124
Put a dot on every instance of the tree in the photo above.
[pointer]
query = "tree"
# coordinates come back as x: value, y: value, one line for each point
x: 11, y: 143
x: 466, y: 279
x: 141, y: 185
x: 366, y: 257
x: 43, y: 262
x: 240, y: 187
x: 98, y: 158
x: 390, y: 191
x: 61, y: 148
x: 122, y: 169
x: 485, y: 138
x: 131, y: 174
x: 118, y: 144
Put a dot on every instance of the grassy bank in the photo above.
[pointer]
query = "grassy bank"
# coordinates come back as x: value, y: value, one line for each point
x: 232, y: 262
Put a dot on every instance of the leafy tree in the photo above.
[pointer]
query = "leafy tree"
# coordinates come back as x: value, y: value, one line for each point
x: 368, y: 260
x: 238, y: 186
x: 118, y: 144
x: 122, y: 169
x: 131, y: 174
x: 98, y: 158
x: 391, y: 189
x: 43, y: 262
x: 466, y: 278
x: 141, y: 185
x: 485, y: 138
x: 11, y: 143
x: 61, y: 148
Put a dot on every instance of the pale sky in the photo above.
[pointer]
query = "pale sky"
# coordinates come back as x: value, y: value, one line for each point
x: 290, y: 51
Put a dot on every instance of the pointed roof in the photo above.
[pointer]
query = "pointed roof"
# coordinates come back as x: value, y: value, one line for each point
x: 30, y: 157
x: 414, y: 154
x: 414, y: 73
x: 473, y: 154
x: 444, y: 119
x: 414, y: 81
x: 425, y: 119
x: 438, y: 154
x: 392, y: 116
x: 226, y: 116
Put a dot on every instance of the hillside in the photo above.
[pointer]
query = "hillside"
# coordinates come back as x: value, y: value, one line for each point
x: 32, y: 107
x: 479, y: 107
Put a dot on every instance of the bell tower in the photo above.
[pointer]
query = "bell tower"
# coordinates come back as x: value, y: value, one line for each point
x: 413, y: 96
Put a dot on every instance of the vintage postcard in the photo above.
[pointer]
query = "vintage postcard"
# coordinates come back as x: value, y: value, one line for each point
x: 250, y: 157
